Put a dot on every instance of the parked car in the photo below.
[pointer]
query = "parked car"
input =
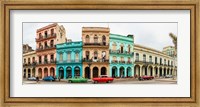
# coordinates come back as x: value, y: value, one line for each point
x: 103, y: 78
x: 49, y: 78
x: 78, y: 80
x: 147, y: 77
x: 140, y: 79
x: 32, y: 79
x: 169, y: 76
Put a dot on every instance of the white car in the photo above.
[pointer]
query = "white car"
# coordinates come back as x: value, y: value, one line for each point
x: 32, y: 78
x: 169, y: 76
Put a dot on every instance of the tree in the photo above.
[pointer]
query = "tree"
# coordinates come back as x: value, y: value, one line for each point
x: 174, y: 40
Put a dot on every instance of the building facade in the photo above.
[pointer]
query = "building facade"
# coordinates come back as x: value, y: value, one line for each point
x: 95, y: 51
x: 46, y: 39
x: 69, y: 59
x: 169, y: 50
x: 121, y: 55
x: 152, y: 62
x: 29, y: 64
x: 27, y: 48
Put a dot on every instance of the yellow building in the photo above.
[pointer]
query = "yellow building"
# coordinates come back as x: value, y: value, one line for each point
x: 152, y: 62
x: 29, y: 64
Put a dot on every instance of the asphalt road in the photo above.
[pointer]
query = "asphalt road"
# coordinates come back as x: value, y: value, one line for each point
x: 123, y: 81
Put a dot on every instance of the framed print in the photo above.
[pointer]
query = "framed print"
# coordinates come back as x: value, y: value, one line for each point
x: 75, y: 53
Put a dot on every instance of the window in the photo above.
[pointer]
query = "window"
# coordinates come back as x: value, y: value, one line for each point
x: 164, y: 61
x: 168, y: 63
x: 129, y: 60
x: 29, y: 60
x: 45, y: 44
x: 77, y: 57
x: 122, y: 59
x: 87, y: 55
x: 33, y: 59
x: 68, y: 57
x: 52, y: 57
x: 103, y: 55
x: 95, y: 55
x: 144, y: 58
x: 52, y: 43
x: 45, y: 59
x: 40, y: 35
x: 156, y: 60
x: 45, y: 34
x: 137, y: 57
x: 40, y: 59
x: 61, y: 57
x: 52, y: 32
x: 104, y: 40
x: 129, y: 49
x: 114, y: 46
x: 60, y: 35
x: 95, y: 39
x: 171, y: 63
x: 87, y: 39
x: 150, y: 58
x: 114, y: 58
x: 121, y: 48
x: 24, y: 60
x: 160, y: 61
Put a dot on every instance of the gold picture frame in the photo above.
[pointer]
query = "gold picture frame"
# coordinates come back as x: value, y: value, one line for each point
x: 7, y: 5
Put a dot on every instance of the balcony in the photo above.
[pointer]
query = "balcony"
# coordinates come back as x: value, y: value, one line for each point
x: 144, y: 62
x: 121, y: 62
x: 45, y: 37
x: 29, y: 64
x: 118, y: 52
x: 92, y: 44
x: 46, y: 62
x: 68, y: 61
x: 98, y: 60
x: 46, y: 48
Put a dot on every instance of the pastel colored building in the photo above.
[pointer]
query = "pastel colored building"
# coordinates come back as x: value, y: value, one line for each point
x: 29, y: 64
x: 152, y: 62
x: 69, y: 59
x: 121, y: 55
x: 46, y: 39
x: 95, y: 51
x: 169, y: 50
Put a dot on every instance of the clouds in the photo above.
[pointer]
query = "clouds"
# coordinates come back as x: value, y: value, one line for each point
x: 154, y: 35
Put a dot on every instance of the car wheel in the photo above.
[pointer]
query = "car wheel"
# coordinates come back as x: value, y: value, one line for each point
x: 95, y: 82
x: 70, y: 81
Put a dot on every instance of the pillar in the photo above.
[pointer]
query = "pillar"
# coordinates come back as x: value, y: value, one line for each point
x: 65, y: 72
x: 49, y: 71
x: 140, y: 71
x: 158, y: 70
x: 72, y: 72
x: 154, y: 72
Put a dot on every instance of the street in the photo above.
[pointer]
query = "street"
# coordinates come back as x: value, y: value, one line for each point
x: 116, y: 81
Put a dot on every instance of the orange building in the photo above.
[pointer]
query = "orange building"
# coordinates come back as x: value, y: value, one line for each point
x: 46, y: 39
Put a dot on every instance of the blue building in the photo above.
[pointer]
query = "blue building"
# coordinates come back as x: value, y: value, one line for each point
x: 69, y: 59
x: 121, y: 55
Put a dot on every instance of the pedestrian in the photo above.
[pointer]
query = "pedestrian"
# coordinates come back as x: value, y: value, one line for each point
x: 37, y: 79
x: 59, y: 78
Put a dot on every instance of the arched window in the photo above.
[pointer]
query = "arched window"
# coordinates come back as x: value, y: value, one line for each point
x: 40, y: 59
x: 87, y: 39
x: 104, y: 40
x: 51, y: 43
x: 171, y: 63
x: 150, y: 58
x: 87, y: 53
x: 121, y: 48
x: 40, y: 35
x: 95, y: 39
x: 29, y: 60
x: 137, y: 57
x: 52, y: 32
x: 45, y: 44
x: 129, y: 49
x: 155, y: 60
x: 144, y: 58
x: 61, y: 57
x: 77, y: 57
x: 45, y: 59
x: 45, y: 34
x: 33, y: 59
x: 164, y: 61
x: 114, y: 46
x: 95, y: 55
x: 68, y: 57
x: 160, y: 61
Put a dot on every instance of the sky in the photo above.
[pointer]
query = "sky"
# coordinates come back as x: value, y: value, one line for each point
x: 153, y: 35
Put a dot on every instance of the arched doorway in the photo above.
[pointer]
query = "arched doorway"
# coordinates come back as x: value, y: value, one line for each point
x: 40, y: 73
x: 45, y: 72
x: 61, y: 72
x: 160, y: 71
x: 171, y: 72
x: 128, y: 72
x: 144, y: 70
x: 114, y: 71
x: 150, y: 70
x: 87, y: 72
x: 29, y: 73
x: 103, y: 71
x: 69, y: 72
x: 24, y: 75
x: 95, y: 72
x: 33, y: 72
x: 52, y: 71
x: 121, y: 69
x: 77, y: 71
x: 137, y: 70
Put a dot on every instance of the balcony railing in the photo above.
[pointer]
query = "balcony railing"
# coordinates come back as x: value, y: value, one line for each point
x: 69, y: 61
x: 46, y: 48
x: 96, y: 44
x: 29, y: 64
x: 119, y: 52
x: 46, y: 37
x: 98, y: 60
x: 46, y: 62
x: 146, y: 62
x: 122, y: 62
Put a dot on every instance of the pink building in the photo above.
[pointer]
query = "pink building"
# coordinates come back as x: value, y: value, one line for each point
x: 46, y: 39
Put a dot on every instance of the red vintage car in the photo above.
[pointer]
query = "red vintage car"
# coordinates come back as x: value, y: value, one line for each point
x: 103, y: 78
x: 147, y: 77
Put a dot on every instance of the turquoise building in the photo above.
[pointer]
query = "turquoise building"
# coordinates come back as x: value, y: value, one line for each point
x: 121, y: 55
x: 69, y: 59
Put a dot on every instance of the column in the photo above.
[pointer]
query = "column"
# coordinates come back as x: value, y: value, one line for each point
x: 91, y: 73
x: 36, y: 72
x: 162, y: 71
x: 57, y: 72
x: 81, y: 73
x: 158, y: 70
x: 42, y: 73
x: 154, y: 72
x: 125, y: 72
x: 140, y: 71
x: 26, y: 72
x: 118, y: 72
x: 49, y: 71
x: 65, y: 72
